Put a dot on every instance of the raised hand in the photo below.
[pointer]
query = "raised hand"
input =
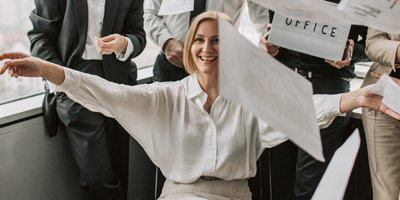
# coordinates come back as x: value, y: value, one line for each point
x: 20, y: 64
x: 266, y: 45
x: 348, y: 53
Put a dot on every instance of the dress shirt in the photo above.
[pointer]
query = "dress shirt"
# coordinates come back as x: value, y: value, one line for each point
x: 179, y: 136
x: 95, y: 23
x: 162, y: 28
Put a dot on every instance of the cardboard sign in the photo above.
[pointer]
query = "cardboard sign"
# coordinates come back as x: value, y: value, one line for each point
x: 318, y: 39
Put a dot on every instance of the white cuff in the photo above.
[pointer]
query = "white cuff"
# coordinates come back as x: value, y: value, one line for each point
x: 123, y: 56
x: 72, y: 80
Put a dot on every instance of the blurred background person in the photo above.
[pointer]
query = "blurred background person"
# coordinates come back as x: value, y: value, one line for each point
x: 383, y: 132
x: 99, y: 38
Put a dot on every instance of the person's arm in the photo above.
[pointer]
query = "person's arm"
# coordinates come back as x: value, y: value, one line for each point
x: 380, y: 48
x: 154, y: 25
x: 136, y: 108
x: 364, y: 98
x: 160, y: 34
x: 46, y: 20
x: 259, y: 15
x: 330, y: 106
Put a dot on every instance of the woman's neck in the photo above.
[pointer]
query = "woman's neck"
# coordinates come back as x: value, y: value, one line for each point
x: 209, y: 84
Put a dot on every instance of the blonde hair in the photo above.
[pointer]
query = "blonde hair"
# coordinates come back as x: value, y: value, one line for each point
x: 188, y: 60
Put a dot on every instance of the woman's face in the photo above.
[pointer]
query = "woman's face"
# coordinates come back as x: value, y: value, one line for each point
x: 205, y: 48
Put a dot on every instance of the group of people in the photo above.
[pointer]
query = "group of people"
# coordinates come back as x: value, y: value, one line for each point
x: 205, y: 145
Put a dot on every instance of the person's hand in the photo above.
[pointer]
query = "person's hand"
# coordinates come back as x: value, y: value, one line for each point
x: 267, y: 46
x: 348, y: 53
x: 173, y: 49
x: 20, y: 64
x: 111, y: 43
x: 374, y: 102
x: 378, y: 76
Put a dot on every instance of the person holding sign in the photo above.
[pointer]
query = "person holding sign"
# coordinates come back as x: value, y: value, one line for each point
x: 205, y: 145
x: 327, y: 77
x: 168, y: 29
x: 381, y: 131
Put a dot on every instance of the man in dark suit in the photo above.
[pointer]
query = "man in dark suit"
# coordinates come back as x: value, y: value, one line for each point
x: 101, y: 42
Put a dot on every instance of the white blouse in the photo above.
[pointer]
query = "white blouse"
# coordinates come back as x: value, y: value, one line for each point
x: 179, y: 136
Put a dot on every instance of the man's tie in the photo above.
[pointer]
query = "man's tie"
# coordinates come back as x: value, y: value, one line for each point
x: 199, y: 7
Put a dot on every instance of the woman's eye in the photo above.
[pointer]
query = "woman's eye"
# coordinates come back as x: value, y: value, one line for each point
x: 198, y: 40
x: 216, y: 40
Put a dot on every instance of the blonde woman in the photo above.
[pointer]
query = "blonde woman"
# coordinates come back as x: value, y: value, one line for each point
x: 205, y: 145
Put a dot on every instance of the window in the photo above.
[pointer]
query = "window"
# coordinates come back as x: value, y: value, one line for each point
x: 14, y: 24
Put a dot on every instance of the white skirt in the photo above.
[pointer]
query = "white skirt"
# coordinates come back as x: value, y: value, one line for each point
x: 206, y: 190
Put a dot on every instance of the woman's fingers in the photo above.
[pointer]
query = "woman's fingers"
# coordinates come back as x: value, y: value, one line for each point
x: 13, y: 55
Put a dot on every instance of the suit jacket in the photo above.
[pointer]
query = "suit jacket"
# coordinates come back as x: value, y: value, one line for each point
x: 60, y: 27
x: 381, y: 48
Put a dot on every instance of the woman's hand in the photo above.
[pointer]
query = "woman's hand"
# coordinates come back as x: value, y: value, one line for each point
x: 374, y: 102
x: 378, y: 76
x: 20, y: 64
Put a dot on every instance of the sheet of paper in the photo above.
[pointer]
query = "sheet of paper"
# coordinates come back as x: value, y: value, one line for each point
x: 379, y: 14
x: 262, y: 85
x: 313, y: 10
x: 334, y: 182
x: 173, y: 7
x: 309, y: 37
x: 390, y: 91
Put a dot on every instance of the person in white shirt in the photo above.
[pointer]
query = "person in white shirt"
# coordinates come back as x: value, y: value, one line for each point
x: 169, y: 31
x: 205, y: 145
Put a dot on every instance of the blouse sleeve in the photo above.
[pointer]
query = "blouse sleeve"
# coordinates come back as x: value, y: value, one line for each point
x: 326, y: 109
x: 134, y: 107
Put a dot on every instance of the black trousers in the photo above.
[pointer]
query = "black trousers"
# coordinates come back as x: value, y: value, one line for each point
x: 99, y: 144
x: 164, y: 71
x: 294, y: 173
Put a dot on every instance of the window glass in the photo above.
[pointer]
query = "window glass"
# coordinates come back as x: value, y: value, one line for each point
x: 14, y: 24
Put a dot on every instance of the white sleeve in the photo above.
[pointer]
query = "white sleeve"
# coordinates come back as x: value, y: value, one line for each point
x: 134, y: 107
x: 123, y: 56
x: 259, y: 16
x: 154, y: 25
x: 327, y: 108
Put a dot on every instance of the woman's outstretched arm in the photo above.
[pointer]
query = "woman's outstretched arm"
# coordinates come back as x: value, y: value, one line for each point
x: 364, y: 98
x: 21, y: 64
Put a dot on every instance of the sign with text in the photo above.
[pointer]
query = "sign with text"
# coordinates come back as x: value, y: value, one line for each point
x: 322, y: 40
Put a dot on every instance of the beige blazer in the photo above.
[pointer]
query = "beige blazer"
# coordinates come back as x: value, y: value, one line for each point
x: 381, y: 48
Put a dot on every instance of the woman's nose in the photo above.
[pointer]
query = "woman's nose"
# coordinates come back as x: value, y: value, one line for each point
x: 206, y: 47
